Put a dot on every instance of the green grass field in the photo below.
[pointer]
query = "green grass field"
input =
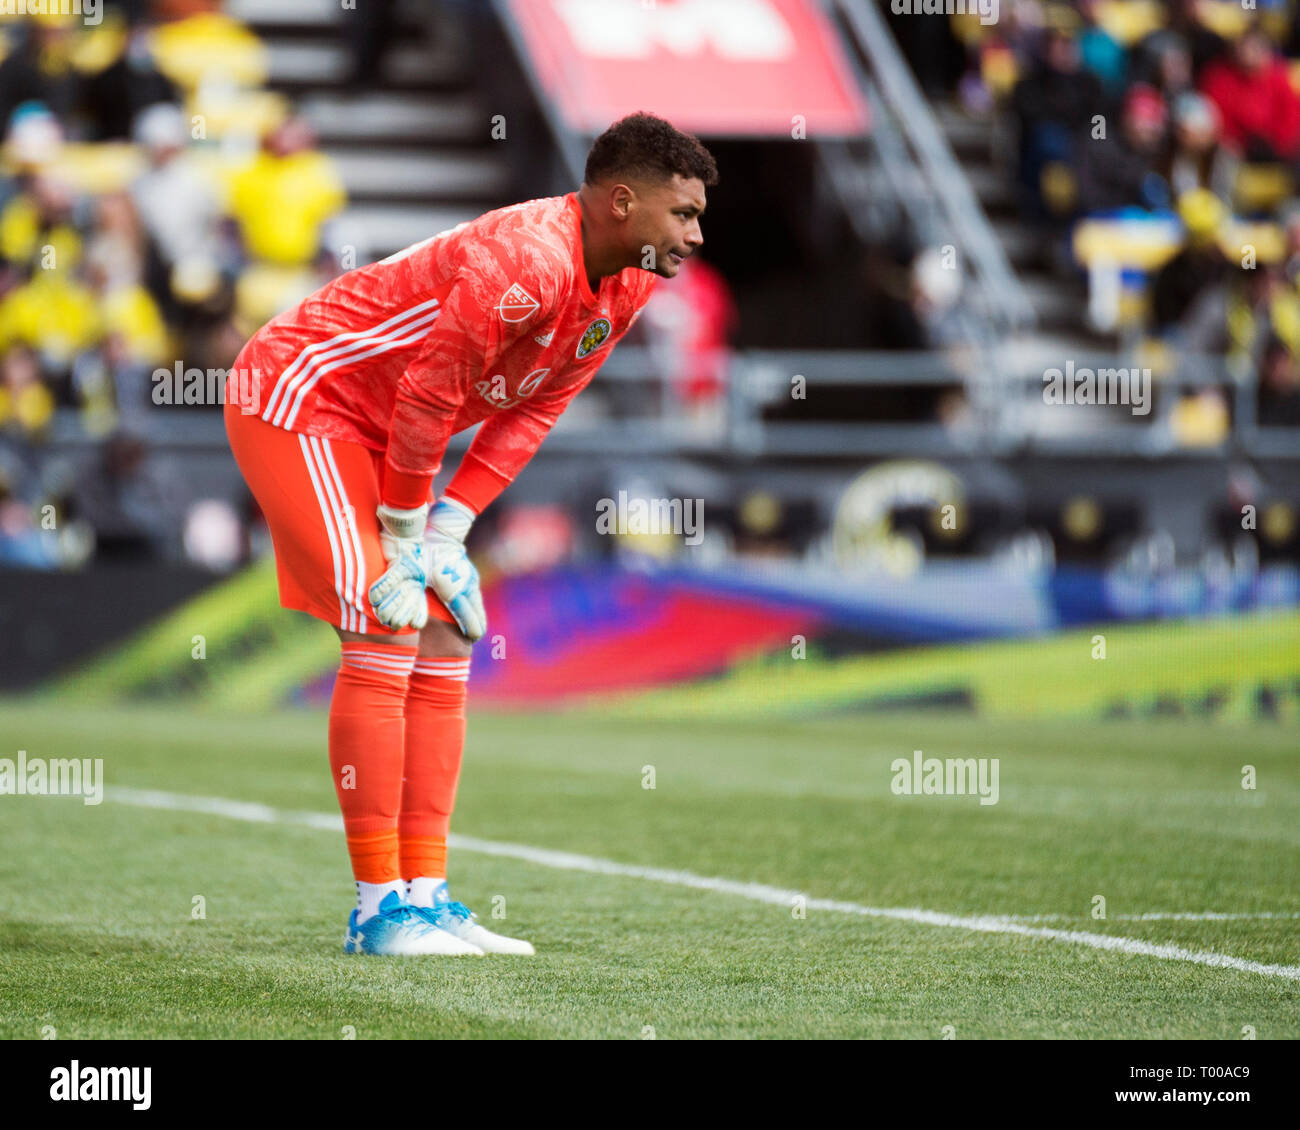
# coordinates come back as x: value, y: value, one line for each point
x: 97, y: 938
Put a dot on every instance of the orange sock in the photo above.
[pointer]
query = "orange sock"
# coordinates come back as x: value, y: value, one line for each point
x: 435, y: 740
x: 423, y: 856
x: 366, y: 741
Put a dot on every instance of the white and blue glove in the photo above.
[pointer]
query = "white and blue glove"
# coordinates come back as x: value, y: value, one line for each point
x: 398, y: 596
x: 451, y: 574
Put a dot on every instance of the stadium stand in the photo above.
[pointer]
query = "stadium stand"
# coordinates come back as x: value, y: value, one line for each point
x: 175, y: 174
x: 1068, y: 185
x: 1140, y: 161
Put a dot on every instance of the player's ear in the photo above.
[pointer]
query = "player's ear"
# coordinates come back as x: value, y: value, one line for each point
x: 622, y: 200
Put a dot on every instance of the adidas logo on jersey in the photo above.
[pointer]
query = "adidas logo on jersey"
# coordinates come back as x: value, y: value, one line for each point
x: 544, y: 339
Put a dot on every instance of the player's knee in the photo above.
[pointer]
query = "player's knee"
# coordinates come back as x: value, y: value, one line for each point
x: 401, y: 639
x: 439, y: 638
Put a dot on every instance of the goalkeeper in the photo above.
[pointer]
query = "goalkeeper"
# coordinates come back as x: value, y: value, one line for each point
x: 348, y: 402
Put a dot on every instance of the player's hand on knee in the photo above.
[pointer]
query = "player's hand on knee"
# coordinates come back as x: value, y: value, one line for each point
x: 398, y: 596
x: 454, y: 581
x: 451, y: 574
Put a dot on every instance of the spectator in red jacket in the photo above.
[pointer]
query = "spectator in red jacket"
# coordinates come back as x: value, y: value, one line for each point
x: 692, y: 327
x: 1259, y: 107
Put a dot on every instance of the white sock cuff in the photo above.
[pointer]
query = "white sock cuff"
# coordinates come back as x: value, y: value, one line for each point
x: 386, y: 660
x: 450, y: 668
x: 370, y: 895
x: 420, y: 892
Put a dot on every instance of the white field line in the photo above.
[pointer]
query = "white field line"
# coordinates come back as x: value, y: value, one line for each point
x: 756, y: 892
x: 1157, y: 916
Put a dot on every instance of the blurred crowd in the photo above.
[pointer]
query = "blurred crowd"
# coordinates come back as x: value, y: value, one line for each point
x: 156, y: 202
x: 1155, y: 146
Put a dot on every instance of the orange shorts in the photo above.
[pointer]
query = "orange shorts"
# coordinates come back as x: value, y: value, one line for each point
x: 319, y: 498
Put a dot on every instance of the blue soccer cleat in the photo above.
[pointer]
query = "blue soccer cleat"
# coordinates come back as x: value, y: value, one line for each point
x: 460, y: 923
x: 400, y: 930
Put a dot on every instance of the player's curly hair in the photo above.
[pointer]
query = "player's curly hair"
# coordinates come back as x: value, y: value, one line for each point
x: 650, y: 148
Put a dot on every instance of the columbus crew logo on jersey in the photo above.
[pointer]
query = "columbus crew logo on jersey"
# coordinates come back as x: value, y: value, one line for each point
x: 593, y: 337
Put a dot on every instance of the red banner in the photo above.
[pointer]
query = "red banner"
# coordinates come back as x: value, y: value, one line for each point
x: 767, y: 68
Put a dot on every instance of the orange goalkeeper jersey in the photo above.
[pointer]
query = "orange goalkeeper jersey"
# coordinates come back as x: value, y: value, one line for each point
x: 492, y: 321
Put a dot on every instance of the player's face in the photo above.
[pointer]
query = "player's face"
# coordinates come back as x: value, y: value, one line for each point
x: 669, y: 221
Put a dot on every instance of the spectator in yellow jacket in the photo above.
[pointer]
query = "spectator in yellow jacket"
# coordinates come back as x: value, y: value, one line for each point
x: 284, y: 196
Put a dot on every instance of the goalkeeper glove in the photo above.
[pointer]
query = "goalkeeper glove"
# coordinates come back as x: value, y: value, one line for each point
x: 451, y: 574
x: 398, y: 596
